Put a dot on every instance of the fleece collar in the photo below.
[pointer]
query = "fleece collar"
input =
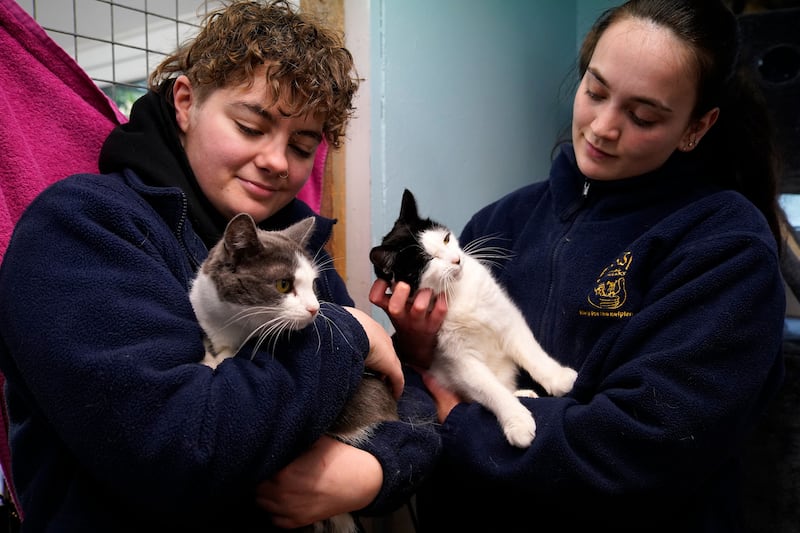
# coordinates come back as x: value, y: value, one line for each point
x: 678, y: 179
x: 149, y: 145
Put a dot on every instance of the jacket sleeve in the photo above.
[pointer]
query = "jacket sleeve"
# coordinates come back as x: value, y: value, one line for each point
x: 661, y: 402
x: 100, y: 341
x: 406, y: 449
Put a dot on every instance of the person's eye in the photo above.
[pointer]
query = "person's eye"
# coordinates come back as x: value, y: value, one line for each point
x: 250, y: 132
x: 302, y: 152
x: 636, y: 119
x: 593, y: 95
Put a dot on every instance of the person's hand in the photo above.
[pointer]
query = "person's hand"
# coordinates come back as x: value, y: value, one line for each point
x: 381, y: 358
x: 416, y: 322
x: 329, y: 479
x: 444, y: 398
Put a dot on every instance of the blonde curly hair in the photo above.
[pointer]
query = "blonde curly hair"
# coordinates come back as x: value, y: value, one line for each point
x: 306, y: 61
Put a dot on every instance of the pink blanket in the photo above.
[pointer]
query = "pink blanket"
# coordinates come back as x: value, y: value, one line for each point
x: 53, y: 121
x: 53, y: 118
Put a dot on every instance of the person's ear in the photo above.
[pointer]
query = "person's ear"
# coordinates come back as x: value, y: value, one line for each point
x: 183, y: 98
x: 698, y: 129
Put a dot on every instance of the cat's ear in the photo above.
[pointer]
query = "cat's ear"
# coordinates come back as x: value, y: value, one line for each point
x: 301, y: 231
x: 383, y: 258
x: 241, y: 237
x: 408, y: 207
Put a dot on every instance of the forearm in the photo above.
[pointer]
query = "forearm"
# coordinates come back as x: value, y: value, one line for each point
x: 408, y: 449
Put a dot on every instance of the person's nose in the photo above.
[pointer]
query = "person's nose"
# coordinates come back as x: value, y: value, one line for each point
x: 271, y: 157
x: 606, y: 123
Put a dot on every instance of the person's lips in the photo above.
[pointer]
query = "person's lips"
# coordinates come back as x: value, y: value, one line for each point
x: 257, y: 189
x: 596, y: 153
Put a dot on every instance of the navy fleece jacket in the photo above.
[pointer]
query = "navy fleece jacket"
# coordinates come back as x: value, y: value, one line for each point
x: 666, y: 296
x: 114, y: 426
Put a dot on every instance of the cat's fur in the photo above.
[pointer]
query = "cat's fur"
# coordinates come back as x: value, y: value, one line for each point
x: 260, y: 284
x: 484, y: 339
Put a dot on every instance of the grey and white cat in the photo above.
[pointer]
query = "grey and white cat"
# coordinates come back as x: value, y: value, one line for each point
x: 484, y: 339
x: 258, y: 284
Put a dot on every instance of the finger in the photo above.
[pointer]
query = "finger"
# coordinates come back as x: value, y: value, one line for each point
x: 419, y: 307
x: 396, y: 378
x: 437, y: 314
x: 430, y: 382
x: 400, y: 294
x: 445, y: 399
x: 377, y: 294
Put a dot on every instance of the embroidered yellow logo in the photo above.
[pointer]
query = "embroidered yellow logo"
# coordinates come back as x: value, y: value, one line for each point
x: 609, y: 291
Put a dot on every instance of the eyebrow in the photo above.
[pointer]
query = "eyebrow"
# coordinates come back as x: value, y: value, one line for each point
x: 270, y: 118
x: 641, y: 99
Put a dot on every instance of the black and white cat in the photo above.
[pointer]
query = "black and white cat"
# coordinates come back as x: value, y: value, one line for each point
x: 258, y: 284
x: 484, y: 339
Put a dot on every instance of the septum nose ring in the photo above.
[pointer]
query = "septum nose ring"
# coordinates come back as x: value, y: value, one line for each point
x: 284, y: 176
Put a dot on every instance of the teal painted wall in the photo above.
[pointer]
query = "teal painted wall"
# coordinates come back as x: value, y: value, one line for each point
x: 467, y: 99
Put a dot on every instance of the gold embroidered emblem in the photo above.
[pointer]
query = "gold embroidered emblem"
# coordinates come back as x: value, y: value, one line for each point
x: 609, y: 292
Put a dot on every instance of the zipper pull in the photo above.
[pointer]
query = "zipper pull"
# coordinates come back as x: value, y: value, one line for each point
x: 585, y: 188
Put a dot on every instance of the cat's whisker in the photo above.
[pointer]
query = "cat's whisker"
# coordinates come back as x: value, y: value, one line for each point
x: 480, y: 241
x: 319, y: 337
x: 478, y: 247
x: 267, y: 330
x: 490, y: 251
x: 490, y: 255
x: 328, y: 322
x: 327, y: 264
x: 250, y: 312
x: 333, y: 324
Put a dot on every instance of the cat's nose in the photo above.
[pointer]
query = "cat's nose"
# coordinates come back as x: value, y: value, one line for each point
x: 312, y: 310
x: 456, y: 260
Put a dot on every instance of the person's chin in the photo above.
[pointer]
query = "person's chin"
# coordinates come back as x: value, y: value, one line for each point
x: 593, y: 165
x: 276, y: 203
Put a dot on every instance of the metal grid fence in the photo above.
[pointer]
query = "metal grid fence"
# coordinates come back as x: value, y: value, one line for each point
x: 118, y: 42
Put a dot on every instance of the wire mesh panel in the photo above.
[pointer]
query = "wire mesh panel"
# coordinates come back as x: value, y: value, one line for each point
x: 118, y: 42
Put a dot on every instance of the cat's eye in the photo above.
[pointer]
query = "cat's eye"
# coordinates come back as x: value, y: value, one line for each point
x: 283, y: 285
x: 447, y: 238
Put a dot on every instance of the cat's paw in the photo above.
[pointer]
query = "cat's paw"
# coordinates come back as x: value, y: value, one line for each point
x: 562, y: 381
x: 525, y: 393
x: 519, y: 428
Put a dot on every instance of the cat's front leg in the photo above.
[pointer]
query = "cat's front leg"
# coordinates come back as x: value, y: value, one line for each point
x: 528, y: 353
x: 214, y: 356
x: 518, y: 425
x: 560, y: 381
x: 211, y: 360
x: 471, y: 378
